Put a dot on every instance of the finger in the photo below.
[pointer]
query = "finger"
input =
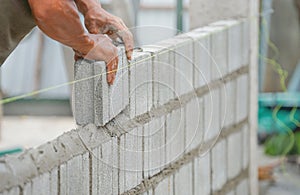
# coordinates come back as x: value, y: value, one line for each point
x: 111, y: 70
x: 127, y: 38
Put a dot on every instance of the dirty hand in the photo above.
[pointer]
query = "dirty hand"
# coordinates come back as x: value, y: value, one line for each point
x: 97, y: 20
x: 102, y: 50
x: 60, y: 21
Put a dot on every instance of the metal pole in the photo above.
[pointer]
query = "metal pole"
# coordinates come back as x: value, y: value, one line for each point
x: 179, y: 15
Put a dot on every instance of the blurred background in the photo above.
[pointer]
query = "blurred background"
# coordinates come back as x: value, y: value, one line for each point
x: 40, y: 63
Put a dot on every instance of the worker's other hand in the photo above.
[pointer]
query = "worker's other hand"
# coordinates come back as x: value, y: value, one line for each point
x: 97, y: 20
x: 102, y: 50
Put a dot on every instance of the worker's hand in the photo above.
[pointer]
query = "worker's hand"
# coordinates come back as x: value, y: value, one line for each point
x: 102, y: 50
x: 97, y: 20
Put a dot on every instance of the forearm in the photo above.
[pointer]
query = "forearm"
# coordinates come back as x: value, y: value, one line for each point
x: 85, y: 5
x: 60, y: 21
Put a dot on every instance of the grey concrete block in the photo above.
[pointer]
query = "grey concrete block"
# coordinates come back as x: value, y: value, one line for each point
x: 235, y: 46
x: 116, y: 104
x: 218, y: 165
x: 54, y: 181
x: 41, y: 185
x: 243, y: 188
x: 133, y: 158
x: 202, y: 175
x: 246, y: 42
x: 212, y: 118
x: 122, y: 175
x: 140, y: 87
x: 202, y: 57
x: 105, y: 167
x: 228, y: 104
x: 115, y: 165
x: 63, y: 176
x: 95, y: 174
x: 231, y: 193
x: 83, y: 90
x: 246, y: 146
x: 154, y: 146
x: 101, y: 97
x: 76, y: 175
x: 219, y: 52
x: 175, y: 135
x: 27, y: 190
x: 184, y: 65
x: 165, y: 187
x: 125, y: 80
x: 234, y: 152
x: 242, y: 104
x: 163, y: 73
x: 184, y: 180
x: 194, y: 123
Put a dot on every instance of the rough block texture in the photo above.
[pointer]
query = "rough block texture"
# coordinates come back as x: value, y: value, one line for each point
x: 234, y: 152
x: 219, y: 168
x: 169, y: 125
x: 202, y: 174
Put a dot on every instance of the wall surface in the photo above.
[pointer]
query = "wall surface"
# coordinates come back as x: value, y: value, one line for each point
x: 176, y: 121
x: 203, y: 12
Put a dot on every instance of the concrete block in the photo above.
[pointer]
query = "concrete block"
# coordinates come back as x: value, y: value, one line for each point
x: 63, y: 176
x: 218, y: 165
x: 163, y: 73
x: 83, y: 90
x: 101, y: 95
x: 41, y: 185
x: 106, y: 168
x: 53, y: 181
x: 102, y: 169
x: 133, y: 161
x: 202, y: 176
x: 235, y: 42
x: 202, y: 58
x: 116, y: 90
x: 243, y: 188
x: 140, y: 87
x: 246, y: 147
x: 154, y: 150
x: 122, y: 175
x: 184, y: 180
x: 219, y: 45
x: 184, y: 64
x: 246, y: 42
x: 212, y: 118
x: 242, y: 104
x: 175, y: 135
x: 125, y: 80
x: 115, y: 166
x: 165, y: 187
x: 230, y: 193
x: 27, y: 189
x: 235, y: 47
x: 228, y: 104
x: 74, y: 176
x: 194, y: 123
x: 234, y: 152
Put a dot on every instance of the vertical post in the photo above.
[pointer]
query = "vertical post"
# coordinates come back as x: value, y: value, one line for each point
x: 179, y: 15
x: 253, y: 108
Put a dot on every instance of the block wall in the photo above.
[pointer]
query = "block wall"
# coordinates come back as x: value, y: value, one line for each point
x: 175, y: 122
